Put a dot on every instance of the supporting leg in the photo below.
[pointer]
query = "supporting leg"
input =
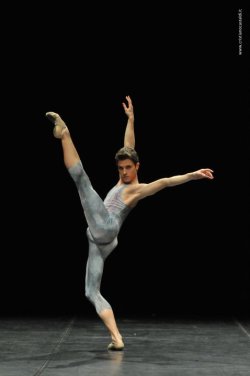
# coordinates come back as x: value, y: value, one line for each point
x: 108, y: 318
x: 93, y: 278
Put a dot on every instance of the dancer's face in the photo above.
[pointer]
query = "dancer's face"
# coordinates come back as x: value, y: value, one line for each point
x: 127, y: 170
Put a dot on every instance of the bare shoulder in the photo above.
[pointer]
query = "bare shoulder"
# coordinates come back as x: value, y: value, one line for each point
x: 131, y: 193
x: 133, y: 188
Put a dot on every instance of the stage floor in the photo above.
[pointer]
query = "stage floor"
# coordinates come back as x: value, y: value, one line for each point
x: 70, y: 346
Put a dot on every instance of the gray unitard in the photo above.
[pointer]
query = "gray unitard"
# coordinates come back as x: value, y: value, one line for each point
x: 104, y: 220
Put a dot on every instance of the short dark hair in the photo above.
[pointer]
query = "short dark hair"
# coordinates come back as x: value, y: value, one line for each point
x: 127, y: 153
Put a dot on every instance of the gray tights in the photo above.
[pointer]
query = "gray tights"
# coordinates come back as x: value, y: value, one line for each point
x: 102, y: 234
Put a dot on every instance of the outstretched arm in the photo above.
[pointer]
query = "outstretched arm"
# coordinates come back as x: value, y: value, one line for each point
x: 150, y: 189
x: 129, y: 137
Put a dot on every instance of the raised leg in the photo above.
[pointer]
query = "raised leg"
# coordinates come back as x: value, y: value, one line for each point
x: 102, y: 228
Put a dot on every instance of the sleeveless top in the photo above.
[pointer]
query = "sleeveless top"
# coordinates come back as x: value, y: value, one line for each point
x: 113, y: 202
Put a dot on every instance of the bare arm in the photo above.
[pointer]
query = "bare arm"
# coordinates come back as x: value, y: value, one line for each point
x: 129, y: 137
x: 145, y: 190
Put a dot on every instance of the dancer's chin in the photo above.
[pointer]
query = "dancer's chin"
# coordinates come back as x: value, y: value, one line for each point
x: 126, y: 181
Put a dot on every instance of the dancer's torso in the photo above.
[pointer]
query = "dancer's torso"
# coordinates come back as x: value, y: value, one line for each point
x: 115, y: 204
x: 118, y: 211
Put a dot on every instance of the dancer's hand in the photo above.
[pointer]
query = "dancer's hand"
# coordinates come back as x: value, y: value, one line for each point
x: 206, y: 173
x: 129, y: 111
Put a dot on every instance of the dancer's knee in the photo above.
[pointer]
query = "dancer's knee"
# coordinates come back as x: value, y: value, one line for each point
x: 97, y: 300
x: 89, y: 295
x: 76, y: 170
x: 77, y: 173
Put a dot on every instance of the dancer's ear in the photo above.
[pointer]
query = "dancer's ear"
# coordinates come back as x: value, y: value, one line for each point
x: 137, y: 166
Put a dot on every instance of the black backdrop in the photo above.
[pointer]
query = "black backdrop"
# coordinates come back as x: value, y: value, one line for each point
x: 184, y: 250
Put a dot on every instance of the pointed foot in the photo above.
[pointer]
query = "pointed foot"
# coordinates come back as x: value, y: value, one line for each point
x: 59, y: 125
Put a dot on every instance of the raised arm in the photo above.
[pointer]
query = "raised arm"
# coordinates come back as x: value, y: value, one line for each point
x: 145, y: 190
x: 129, y: 137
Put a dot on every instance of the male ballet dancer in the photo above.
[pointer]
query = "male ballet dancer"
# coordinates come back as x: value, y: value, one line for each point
x: 105, y: 218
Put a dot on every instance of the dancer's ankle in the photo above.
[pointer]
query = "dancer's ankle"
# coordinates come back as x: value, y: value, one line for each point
x: 60, y: 132
x: 116, y: 345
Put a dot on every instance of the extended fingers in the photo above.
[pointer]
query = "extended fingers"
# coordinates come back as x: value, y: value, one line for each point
x: 129, y: 100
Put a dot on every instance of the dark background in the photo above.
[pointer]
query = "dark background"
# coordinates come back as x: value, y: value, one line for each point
x: 182, y: 251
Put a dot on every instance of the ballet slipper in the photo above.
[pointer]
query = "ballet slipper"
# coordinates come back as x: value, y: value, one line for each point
x: 60, y: 127
x: 116, y: 346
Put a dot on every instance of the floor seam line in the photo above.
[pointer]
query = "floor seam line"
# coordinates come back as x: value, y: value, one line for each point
x: 55, y: 348
x: 242, y: 328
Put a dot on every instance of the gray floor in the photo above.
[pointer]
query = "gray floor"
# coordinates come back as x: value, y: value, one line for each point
x: 77, y: 346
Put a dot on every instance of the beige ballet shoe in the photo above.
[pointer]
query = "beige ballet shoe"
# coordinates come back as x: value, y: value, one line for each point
x: 116, y: 346
x: 59, y: 127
